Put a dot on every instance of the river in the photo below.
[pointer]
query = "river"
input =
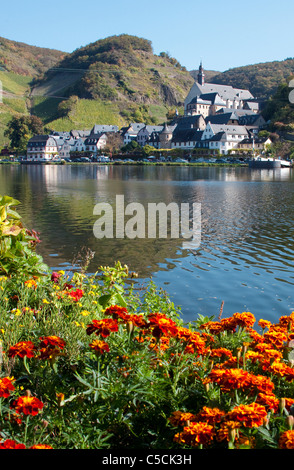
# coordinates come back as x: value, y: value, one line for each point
x: 245, y: 257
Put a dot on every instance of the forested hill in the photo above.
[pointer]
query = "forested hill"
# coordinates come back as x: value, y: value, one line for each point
x: 261, y: 79
x: 118, y: 69
x: 23, y: 59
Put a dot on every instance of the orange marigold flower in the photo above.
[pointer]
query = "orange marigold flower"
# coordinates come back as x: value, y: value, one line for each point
x: 286, y: 321
x: 10, y: 444
x: 136, y: 320
x: 6, y: 387
x: 288, y: 403
x: 159, y: 344
x: 27, y: 405
x: 256, y: 337
x: 116, y: 312
x: 221, y: 353
x: 210, y: 415
x: 228, y: 324
x: 268, y: 352
x: 264, y: 324
x: 269, y: 400
x: 31, y: 283
x: 41, y: 446
x: 196, y: 345
x: 102, y: 327
x: 214, y: 327
x: 184, y: 333
x: 22, y: 349
x: 100, y: 347
x: 245, y: 441
x: 281, y: 369
x: 162, y: 325
x: 229, y: 379
x: 276, y: 337
x: 251, y: 416
x: 195, y: 434
x: 226, y: 429
x: 261, y: 383
x: 286, y: 440
x: 180, y: 418
x: 245, y: 319
x: 52, y: 341
x: 51, y: 346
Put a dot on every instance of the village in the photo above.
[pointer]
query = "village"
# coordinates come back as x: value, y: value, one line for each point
x: 218, y: 121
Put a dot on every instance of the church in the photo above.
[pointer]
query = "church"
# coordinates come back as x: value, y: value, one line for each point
x: 209, y: 98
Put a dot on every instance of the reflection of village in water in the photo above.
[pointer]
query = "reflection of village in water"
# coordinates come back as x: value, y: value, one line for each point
x: 246, y: 250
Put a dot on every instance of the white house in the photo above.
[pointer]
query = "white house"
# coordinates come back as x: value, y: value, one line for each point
x: 224, y: 138
x: 42, y: 147
x: 80, y: 145
x: 68, y: 146
x: 186, y: 138
x: 145, y: 133
x: 95, y: 142
x: 130, y: 133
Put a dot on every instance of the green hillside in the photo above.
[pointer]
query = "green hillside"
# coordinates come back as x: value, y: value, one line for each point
x: 15, y: 92
x: 19, y: 64
x: 261, y: 79
x: 24, y: 59
x: 120, y: 73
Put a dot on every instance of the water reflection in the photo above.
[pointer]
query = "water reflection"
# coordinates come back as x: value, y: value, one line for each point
x: 246, y: 252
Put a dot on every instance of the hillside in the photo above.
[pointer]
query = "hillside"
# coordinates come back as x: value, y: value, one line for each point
x: 23, y: 59
x: 121, y: 72
x: 20, y: 63
x: 261, y: 79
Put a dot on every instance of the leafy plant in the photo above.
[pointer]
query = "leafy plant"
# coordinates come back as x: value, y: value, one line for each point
x: 17, y: 244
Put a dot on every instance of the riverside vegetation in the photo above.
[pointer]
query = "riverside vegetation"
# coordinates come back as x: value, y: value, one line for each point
x: 87, y: 362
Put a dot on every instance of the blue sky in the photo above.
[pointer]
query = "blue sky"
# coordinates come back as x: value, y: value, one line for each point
x: 224, y: 34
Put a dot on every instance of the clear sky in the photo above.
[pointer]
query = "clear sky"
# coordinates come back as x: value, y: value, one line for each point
x: 223, y: 34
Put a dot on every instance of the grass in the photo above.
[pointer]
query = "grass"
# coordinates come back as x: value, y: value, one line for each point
x: 14, y: 83
x: 86, y: 114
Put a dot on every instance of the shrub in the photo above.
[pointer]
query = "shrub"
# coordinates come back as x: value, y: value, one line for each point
x: 17, y: 244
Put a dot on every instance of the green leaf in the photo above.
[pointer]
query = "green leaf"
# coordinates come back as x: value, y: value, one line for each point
x: 104, y: 300
x: 120, y: 300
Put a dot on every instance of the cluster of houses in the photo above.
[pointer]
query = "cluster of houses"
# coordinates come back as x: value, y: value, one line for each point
x: 218, y: 120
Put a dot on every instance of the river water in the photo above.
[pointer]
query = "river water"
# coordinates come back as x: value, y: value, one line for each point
x: 245, y: 258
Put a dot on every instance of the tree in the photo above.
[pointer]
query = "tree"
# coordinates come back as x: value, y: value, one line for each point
x: 20, y: 129
x: 114, y: 142
x: 68, y: 106
x: 148, y: 150
x: 132, y: 146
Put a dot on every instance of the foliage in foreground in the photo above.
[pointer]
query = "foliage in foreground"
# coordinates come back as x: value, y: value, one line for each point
x: 87, y: 363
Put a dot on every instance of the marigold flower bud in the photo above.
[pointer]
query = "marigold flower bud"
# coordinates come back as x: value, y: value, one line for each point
x: 290, y: 421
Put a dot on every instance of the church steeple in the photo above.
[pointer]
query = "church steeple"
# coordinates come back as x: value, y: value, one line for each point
x: 201, y: 75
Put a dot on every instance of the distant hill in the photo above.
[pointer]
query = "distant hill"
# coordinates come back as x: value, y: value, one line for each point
x: 261, y: 79
x: 209, y: 75
x: 22, y: 59
x: 122, y: 71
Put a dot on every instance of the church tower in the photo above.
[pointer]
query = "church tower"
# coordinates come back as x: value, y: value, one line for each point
x: 201, y: 75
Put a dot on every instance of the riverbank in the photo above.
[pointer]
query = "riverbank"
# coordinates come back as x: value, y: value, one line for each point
x: 139, y: 163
